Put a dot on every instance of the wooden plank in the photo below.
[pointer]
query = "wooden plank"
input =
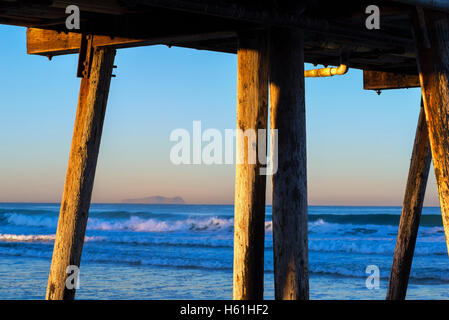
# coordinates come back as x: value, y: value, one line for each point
x: 377, y: 80
x: 282, y: 14
x: 434, y: 77
x: 80, y: 173
x: 239, y: 10
x: 250, y: 185
x: 289, y: 207
x: 98, y: 6
x: 51, y: 43
x: 411, y: 211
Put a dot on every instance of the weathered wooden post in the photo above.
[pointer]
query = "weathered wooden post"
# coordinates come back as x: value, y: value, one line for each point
x: 432, y: 40
x: 80, y: 173
x: 287, y: 115
x: 252, y: 114
x: 411, y: 211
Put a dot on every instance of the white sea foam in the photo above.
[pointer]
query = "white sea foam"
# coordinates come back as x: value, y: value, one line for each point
x: 31, y: 221
x: 136, y: 224
x: 211, y: 224
x: 36, y: 238
x: 153, y: 225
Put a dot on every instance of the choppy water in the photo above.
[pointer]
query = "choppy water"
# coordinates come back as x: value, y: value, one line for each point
x: 185, y: 252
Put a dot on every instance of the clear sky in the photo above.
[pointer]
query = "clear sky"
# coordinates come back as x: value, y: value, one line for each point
x: 359, y: 144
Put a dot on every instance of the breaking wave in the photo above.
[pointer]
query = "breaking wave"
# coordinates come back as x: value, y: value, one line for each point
x: 37, y: 238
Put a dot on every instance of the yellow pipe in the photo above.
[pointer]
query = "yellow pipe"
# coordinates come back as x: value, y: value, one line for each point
x: 326, y: 72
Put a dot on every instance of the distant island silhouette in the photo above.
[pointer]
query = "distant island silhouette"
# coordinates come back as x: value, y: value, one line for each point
x: 156, y: 200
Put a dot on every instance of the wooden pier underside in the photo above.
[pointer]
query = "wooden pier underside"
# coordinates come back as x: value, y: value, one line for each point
x: 314, y: 31
x: 330, y: 29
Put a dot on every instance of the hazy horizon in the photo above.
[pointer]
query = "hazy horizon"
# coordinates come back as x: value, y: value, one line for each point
x: 212, y: 204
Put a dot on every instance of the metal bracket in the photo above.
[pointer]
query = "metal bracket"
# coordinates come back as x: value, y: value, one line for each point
x: 85, y: 56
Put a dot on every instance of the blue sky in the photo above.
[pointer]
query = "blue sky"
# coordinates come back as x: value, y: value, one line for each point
x: 359, y: 143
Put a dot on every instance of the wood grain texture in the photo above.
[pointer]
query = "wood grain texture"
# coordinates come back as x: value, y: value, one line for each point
x: 80, y: 173
x: 250, y: 185
x: 433, y: 66
x: 51, y: 43
x: 287, y: 115
x: 376, y: 80
x: 411, y: 211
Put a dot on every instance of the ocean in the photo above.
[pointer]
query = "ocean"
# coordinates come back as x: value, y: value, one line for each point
x: 186, y: 252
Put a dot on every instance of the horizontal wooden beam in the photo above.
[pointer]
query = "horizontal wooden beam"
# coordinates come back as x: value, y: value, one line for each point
x: 99, y: 6
x: 257, y: 12
x: 376, y: 80
x: 52, y: 43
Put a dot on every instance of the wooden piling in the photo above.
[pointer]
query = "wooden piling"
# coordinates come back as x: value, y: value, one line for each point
x: 433, y: 64
x: 287, y: 115
x: 411, y: 211
x: 80, y: 173
x: 252, y: 113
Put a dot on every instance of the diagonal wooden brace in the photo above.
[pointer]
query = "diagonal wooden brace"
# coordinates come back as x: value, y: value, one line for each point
x: 75, y: 202
x: 411, y: 211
